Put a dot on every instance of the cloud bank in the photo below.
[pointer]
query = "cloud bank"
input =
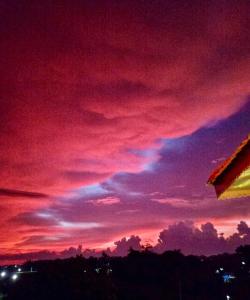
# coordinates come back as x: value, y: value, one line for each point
x: 84, y: 83
x: 182, y: 236
x: 93, y: 93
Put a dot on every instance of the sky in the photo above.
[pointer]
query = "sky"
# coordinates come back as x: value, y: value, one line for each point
x: 113, y: 116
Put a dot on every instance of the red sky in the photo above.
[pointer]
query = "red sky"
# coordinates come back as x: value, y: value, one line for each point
x: 113, y: 115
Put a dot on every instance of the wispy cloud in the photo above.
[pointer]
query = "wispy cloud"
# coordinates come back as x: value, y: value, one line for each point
x: 79, y: 225
x: 23, y: 194
x: 176, y: 202
x: 105, y: 201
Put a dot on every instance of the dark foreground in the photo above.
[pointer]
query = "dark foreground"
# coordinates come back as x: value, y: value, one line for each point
x: 140, y: 275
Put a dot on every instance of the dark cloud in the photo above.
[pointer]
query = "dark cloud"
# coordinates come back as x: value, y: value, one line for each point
x: 191, y: 240
x: 23, y: 194
x: 125, y: 244
x: 201, y: 241
x: 72, y: 251
x: 28, y: 256
x: 31, y: 219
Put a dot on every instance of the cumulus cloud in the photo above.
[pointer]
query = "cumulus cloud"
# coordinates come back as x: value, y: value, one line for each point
x: 243, y: 229
x: 183, y: 236
x: 201, y: 241
x: 70, y: 252
x: 191, y: 240
x: 125, y: 244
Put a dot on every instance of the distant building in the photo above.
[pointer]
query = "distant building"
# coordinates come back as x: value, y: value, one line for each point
x: 232, y: 178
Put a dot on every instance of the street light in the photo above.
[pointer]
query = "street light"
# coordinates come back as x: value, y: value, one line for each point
x: 228, y: 297
x: 3, y: 274
x: 14, y: 277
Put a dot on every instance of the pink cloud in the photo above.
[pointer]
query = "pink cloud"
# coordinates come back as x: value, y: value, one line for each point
x: 82, y: 86
x: 105, y: 201
x: 201, y: 241
x: 176, y: 202
x: 125, y: 244
x: 90, y: 89
x: 184, y: 236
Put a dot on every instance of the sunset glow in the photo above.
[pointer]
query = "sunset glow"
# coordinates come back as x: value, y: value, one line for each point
x: 113, y: 116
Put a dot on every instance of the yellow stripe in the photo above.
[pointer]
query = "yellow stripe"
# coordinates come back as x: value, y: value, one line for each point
x: 239, y: 188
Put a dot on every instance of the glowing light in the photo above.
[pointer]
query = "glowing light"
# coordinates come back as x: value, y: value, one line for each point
x: 14, y: 277
x: 3, y: 274
x: 19, y: 270
x: 227, y: 278
x: 228, y: 297
x: 243, y: 263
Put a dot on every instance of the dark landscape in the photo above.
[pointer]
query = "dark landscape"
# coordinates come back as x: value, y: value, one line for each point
x: 140, y: 275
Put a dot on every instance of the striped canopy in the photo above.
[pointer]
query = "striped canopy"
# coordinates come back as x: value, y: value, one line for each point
x: 232, y: 178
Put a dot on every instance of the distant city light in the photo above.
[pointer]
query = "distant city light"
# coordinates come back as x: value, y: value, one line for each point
x: 109, y: 271
x: 227, y: 278
x: 243, y: 263
x: 3, y: 274
x: 14, y: 277
x: 228, y: 297
x: 19, y: 270
x: 221, y: 269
